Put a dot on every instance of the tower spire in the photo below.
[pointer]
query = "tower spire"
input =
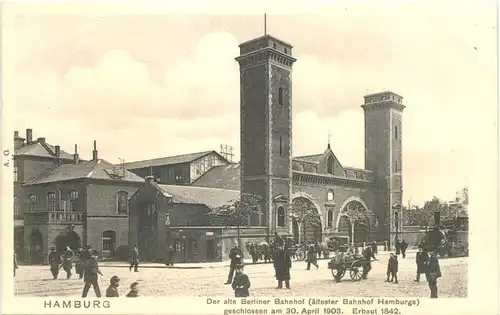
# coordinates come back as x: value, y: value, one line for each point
x: 329, y: 134
x: 265, y: 24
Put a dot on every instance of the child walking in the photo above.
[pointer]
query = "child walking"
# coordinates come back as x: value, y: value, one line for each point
x: 392, y: 269
x: 241, y: 283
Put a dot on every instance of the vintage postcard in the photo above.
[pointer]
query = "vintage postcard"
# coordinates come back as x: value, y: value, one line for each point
x: 250, y: 158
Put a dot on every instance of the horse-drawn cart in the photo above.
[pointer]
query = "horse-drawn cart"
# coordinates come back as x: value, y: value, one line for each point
x: 353, y: 264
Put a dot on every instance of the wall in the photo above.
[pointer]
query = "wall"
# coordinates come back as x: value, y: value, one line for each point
x: 97, y: 225
x: 230, y: 236
x: 412, y: 235
x: 31, y: 167
x: 165, y: 174
x: 102, y: 197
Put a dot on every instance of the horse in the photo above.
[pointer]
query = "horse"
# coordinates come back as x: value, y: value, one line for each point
x: 259, y: 251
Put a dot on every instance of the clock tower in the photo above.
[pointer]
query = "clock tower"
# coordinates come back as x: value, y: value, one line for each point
x: 266, y: 128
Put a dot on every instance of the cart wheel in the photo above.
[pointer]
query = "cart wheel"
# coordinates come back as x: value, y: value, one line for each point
x: 336, y: 273
x: 300, y: 255
x: 356, y: 271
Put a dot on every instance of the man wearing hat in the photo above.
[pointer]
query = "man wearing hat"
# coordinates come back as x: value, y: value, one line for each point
x: 54, y: 262
x: 236, y: 256
x: 112, y: 290
x: 67, y: 261
x: 421, y: 259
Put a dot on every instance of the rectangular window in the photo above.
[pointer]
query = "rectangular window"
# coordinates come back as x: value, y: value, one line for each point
x: 51, y: 201
x: 396, y: 132
x: 281, y: 147
x: 15, y: 173
x: 396, y: 168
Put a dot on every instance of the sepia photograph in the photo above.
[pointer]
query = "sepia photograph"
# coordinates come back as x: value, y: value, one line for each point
x: 241, y: 155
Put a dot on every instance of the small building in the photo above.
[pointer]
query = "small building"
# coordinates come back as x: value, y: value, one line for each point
x: 77, y: 203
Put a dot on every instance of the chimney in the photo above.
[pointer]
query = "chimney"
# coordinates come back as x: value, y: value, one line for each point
x: 29, y: 136
x: 94, y: 153
x: 41, y: 140
x: 150, y: 180
x: 58, y: 151
x: 76, y: 158
x: 18, y: 141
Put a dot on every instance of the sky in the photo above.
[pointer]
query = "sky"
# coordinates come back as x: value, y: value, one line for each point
x: 146, y: 86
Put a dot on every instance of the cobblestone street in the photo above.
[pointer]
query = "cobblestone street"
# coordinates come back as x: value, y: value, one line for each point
x: 208, y: 280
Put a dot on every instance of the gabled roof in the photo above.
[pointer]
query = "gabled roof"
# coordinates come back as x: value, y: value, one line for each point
x: 99, y: 169
x: 41, y: 150
x: 315, y: 158
x: 169, y: 160
x: 211, y: 197
x: 221, y: 176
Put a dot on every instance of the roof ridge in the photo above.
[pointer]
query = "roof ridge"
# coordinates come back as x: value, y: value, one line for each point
x: 198, y: 187
x: 170, y: 156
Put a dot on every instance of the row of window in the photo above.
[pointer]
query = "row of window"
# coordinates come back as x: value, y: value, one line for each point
x: 71, y: 203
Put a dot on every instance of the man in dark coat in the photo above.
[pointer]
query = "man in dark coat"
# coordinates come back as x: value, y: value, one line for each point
x: 15, y: 264
x: 236, y: 257
x: 134, y: 259
x: 79, y: 264
x: 54, y: 262
x: 398, y: 247
x: 404, y: 246
x: 368, y: 255
x: 171, y: 253
x: 374, y: 247
x: 241, y: 283
x: 90, y: 277
x: 278, y: 240
x: 282, y: 265
x: 421, y: 259
x: 433, y: 273
x: 392, y: 269
x: 311, y: 257
x: 67, y: 262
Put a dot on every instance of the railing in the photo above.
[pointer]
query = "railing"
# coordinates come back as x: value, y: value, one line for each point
x: 53, y: 217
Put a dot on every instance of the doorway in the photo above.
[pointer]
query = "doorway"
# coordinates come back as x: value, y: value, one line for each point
x: 36, y: 247
x: 210, y: 250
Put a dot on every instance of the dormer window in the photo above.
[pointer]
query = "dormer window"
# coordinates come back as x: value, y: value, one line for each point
x: 286, y: 50
x: 330, y: 196
x: 274, y: 45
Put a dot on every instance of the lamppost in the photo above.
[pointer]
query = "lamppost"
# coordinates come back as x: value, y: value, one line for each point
x: 167, y: 225
x: 396, y: 209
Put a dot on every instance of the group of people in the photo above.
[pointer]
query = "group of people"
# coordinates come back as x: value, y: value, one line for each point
x: 87, y: 267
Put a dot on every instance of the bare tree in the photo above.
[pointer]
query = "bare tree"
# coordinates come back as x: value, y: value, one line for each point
x: 302, y: 210
x: 356, y: 216
x: 237, y: 212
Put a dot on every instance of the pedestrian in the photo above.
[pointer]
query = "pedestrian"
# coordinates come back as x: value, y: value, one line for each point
x: 171, y: 253
x: 15, y: 264
x: 54, y: 262
x: 311, y: 258
x: 90, y: 276
x: 404, y: 246
x: 67, y: 263
x: 392, y: 268
x: 134, y: 290
x: 112, y: 290
x: 422, y: 259
x: 282, y: 265
x: 398, y: 247
x: 433, y: 273
x: 236, y: 257
x: 374, y: 247
x: 79, y: 264
x: 278, y: 240
x: 241, y: 283
x: 134, y: 259
x: 367, y: 265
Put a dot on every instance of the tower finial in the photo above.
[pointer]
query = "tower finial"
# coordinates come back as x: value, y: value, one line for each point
x: 329, y: 134
x: 265, y: 24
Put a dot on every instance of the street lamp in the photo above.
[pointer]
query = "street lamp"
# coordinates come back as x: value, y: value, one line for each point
x: 396, y: 209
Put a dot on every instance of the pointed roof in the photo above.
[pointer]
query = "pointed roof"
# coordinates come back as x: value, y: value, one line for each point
x: 99, y: 169
x: 211, y: 197
x: 315, y: 158
x: 41, y: 150
x: 221, y: 176
x: 169, y: 160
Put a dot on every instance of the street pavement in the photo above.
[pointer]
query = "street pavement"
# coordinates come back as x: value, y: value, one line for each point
x: 208, y: 280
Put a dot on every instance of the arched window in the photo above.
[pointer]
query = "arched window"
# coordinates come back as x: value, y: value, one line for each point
x: 16, y: 206
x: 330, y: 165
x: 281, y: 217
x: 330, y: 196
x: 73, y: 200
x: 108, y: 242
x: 280, y: 96
x: 330, y: 218
x: 122, y: 202
x: 51, y: 201
x: 32, y: 201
